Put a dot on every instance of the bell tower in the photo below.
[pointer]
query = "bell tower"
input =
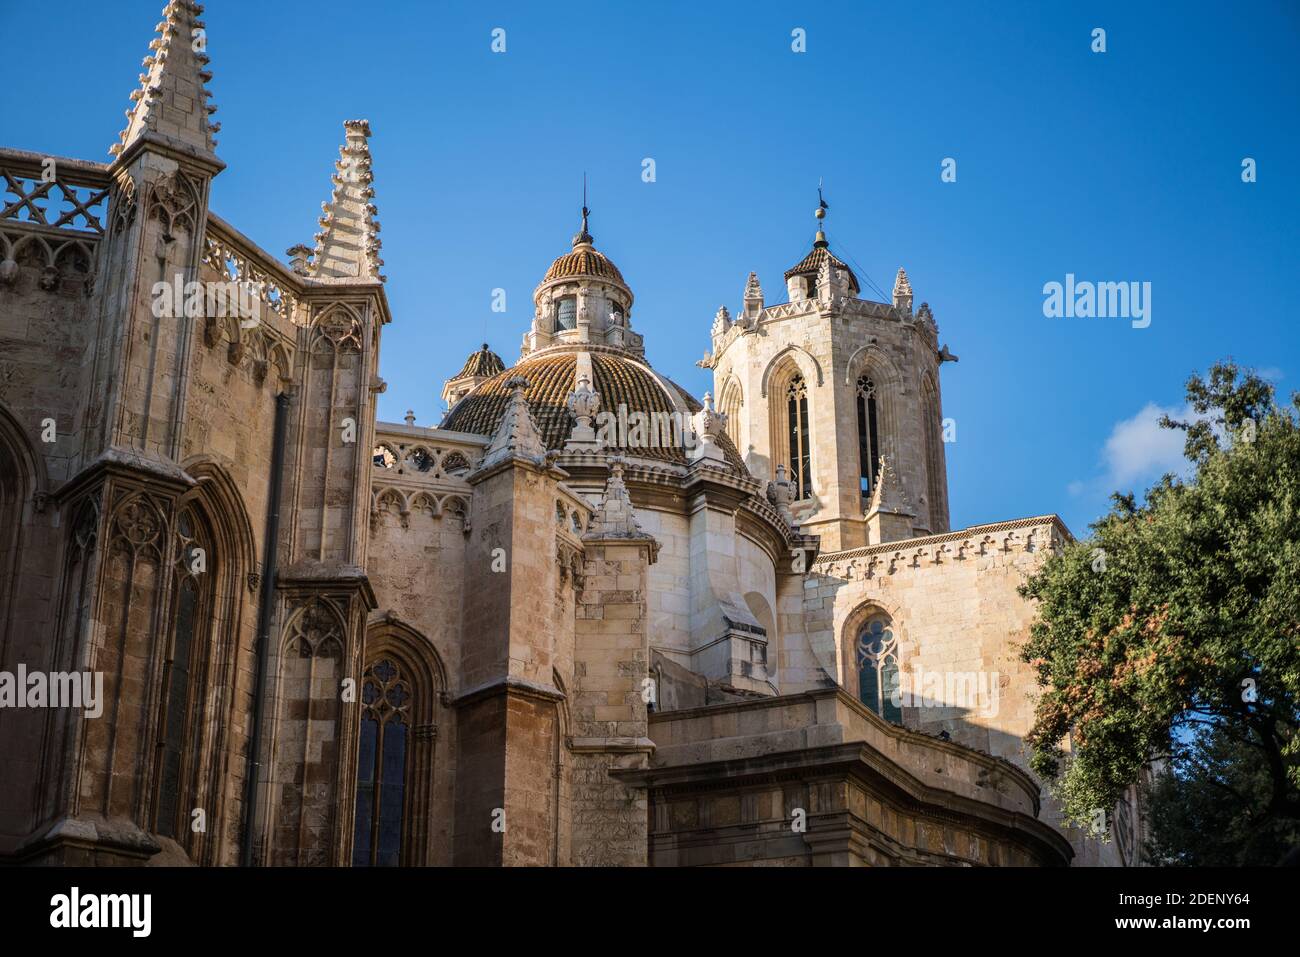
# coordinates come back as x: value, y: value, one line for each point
x: 843, y: 393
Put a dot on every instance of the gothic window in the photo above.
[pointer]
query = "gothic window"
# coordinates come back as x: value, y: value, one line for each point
x: 566, y: 313
x: 192, y: 574
x: 877, y: 656
x: 382, y: 766
x: 797, y: 424
x: 383, y: 457
x: 868, y: 436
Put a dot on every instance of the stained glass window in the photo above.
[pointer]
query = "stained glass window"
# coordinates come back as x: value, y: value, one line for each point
x: 381, y: 768
x: 192, y: 575
x: 877, y: 653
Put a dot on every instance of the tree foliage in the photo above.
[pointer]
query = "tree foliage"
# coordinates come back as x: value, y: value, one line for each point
x: 1177, y: 622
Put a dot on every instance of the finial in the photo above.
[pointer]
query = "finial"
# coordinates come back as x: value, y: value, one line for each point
x: 584, y: 236
x: 820, y: 213
x: 410, y: 417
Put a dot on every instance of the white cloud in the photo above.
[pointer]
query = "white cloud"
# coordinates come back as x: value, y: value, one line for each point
x: 1138, y: 451
x: 1138, y: 448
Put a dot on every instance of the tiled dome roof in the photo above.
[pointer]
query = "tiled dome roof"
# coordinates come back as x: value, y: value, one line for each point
x: 483, y: 362
x: 619, y: 380
x: 811, y: 264
x: 584, y: 261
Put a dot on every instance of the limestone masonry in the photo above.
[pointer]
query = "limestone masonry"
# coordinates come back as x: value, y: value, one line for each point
x: 587, y: 620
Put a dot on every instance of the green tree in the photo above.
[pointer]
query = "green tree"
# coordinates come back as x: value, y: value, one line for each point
x: 1210, y: 807
x: 1176, y: 624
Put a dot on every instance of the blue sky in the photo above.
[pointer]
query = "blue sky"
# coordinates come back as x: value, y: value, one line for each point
x: 1120, y: 166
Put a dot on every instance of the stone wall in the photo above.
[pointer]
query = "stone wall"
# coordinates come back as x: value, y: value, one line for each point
x: 953, y: 605
x: 817, y: 779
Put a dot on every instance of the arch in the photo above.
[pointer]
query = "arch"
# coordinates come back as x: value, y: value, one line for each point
x: 279, y: 357
x: 209, y: 557
x: 791, y: 353
x: 226, y: 506
x: 45, y: 254
x: 791, y: 438
x: 870, y: 358
x: 339, y: 326
x: 403, y: 689
x: 872, y: 362
x: 870, y: 643
x: 22, y: 480
x: 731, y: 399
x: 457, y: 505
x: 426, y: 502
x: 385, y: 498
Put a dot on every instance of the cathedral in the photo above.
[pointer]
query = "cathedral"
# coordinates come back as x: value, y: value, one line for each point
x: 587, y: 619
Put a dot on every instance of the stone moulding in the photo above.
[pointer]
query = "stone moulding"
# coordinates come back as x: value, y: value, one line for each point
x: 1045, y: 531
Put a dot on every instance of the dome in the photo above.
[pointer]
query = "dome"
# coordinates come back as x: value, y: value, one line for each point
x: 482, y: 363
x: 619, y: 380
x: 584, y: 261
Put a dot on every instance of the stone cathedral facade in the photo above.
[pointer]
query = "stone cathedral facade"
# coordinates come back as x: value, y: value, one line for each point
x: 585, y: 620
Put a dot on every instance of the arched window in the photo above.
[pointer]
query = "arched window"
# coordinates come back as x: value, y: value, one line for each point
x: 566, y: 313
x: 868, y: 436
x: 193, y: 573
x: 797, y: 423
x: 877, y: 654
x: 382, y: 766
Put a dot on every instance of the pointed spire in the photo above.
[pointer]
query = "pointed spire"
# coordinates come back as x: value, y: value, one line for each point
x: 721, y: 321
x: 348, y: 244
x: 171, y: 102
x: 888, y: 495
x: 615, y: 517
x: 517, y: 435
x: 903, y: 290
